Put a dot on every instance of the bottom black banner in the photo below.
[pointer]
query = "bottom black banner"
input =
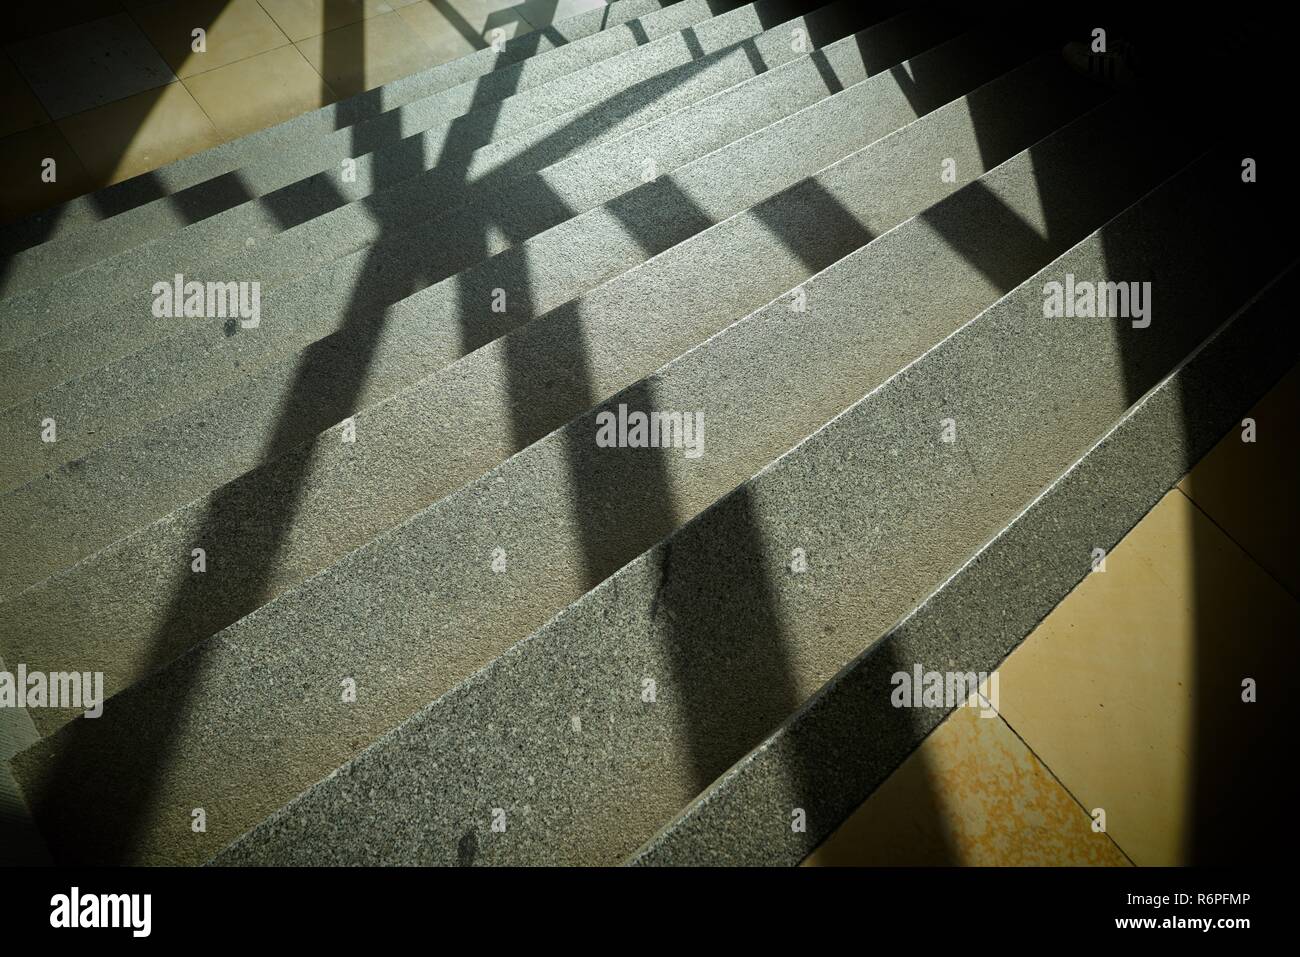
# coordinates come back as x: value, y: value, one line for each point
x: 336, y: 906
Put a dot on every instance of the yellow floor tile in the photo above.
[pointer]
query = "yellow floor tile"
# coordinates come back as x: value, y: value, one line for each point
x: 301, y: 19
x: 89, y: 65
x: 972, y: 794
x: 454, y: 28
x: 259, y: 92
x: 19, y: 107
x: 236, y: 30
x: 1249, y: 488
x: 367, y: 54
x: 1131, y: 691
x: 139, y: 133
x: 22, y: 190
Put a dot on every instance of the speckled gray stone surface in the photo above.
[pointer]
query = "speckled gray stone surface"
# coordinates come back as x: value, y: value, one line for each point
x: 252, y: 715
x: 502, y: 206
x: 556, y: 736
x: 537, y: 67
x: 86, y: 507
x: 401, y: 186
x: 293, y: 187
x: 847, y: 739
x: 865, y: 194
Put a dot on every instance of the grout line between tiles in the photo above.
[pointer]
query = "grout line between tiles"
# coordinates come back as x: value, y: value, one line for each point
x: 145, y: 33
x: 1039, y: 758
x: 326, y: 89
x: 242, y: 59
x: 209, y: 118
x: 1242, y: 548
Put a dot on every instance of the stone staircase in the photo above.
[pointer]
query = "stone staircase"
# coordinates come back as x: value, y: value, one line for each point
x: 367, y: 583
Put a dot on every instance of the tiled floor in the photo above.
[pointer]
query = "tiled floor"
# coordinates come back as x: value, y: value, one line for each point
x: 1128, y: 696
x: 972, y: 794
x: 110, y: 89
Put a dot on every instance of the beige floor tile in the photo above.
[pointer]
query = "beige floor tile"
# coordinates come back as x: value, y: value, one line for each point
x: 139, y: 133
x: 454, y: 28
x: 1249, y: 488
x: 972, y: 794
x: 259, y: 92
x: 19, y: 107
x: 301, y: 19
x: 1131, y: 691
x: 90, y: 64
x: 236, y: 30
x: 366, y: 55
x: 22, y: 191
